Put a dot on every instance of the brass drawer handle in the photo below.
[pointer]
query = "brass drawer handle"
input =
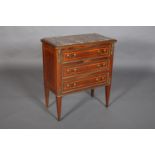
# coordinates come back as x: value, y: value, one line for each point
x: 71, y: 70
x: 75, y: 69
x: 100, y: 65
x: 71, y: 85
x: 71, y: 55
x: 100, y: 78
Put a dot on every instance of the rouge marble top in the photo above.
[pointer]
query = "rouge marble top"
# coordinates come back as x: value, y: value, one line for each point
x: 76, y: 39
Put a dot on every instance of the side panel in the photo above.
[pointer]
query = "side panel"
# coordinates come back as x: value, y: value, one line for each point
x: 49, y: 63
x: 58, y: 72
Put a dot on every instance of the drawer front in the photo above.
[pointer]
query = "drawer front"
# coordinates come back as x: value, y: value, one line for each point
x: 78, y: 55
x: 86, y: 68
x: 84, y: 82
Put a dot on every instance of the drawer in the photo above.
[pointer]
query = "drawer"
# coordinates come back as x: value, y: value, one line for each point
x: 86, y: 68
x: 69, y: 85
x: 92, y: 53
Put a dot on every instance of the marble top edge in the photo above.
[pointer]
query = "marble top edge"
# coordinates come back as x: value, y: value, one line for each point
x: 76, y: 39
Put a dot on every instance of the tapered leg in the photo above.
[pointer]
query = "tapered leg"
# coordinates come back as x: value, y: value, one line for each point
x: 59, y: 100
x: 46, y: 95
x: 107, y: 94
x: 92, y: 92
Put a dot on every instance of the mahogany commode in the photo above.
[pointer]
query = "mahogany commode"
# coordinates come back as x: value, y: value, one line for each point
x: 75, y: 63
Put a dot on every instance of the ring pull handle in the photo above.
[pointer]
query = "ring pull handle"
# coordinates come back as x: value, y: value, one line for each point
x: 68, y: 55
x: 74, y: 54
x: 97, y: 79
x: 75, y: 69
x: 68, y: 85
x: 68, y: 70
x: 74, y: 84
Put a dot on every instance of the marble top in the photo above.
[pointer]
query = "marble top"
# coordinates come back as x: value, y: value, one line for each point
x: 76, y: 39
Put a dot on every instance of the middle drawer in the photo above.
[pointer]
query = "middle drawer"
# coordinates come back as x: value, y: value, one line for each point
x: 71, y: 70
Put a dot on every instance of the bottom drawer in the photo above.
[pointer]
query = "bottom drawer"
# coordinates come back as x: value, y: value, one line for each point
x: 69, y: 85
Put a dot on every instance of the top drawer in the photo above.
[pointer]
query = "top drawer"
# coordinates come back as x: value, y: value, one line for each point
x: 91, y: 53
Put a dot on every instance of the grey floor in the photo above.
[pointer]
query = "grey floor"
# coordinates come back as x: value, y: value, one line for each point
x: 132, y: 95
